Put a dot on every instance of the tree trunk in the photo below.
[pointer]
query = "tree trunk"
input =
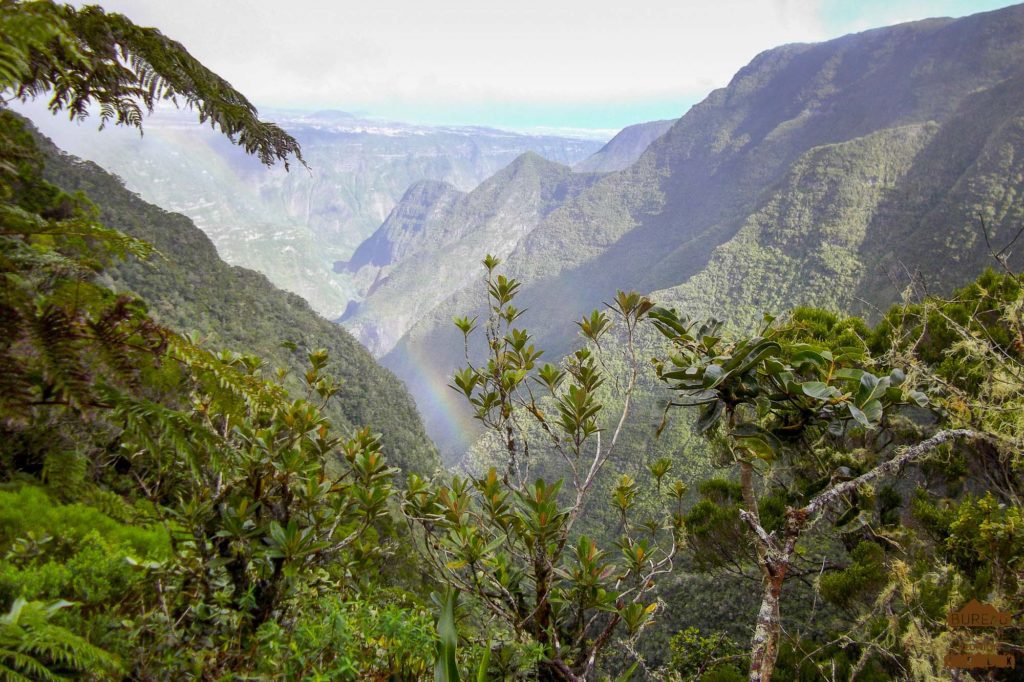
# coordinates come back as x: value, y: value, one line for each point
x: 774, y: 557
x: 556, y: 671
x: 542, y: 584
x: 764, y: 647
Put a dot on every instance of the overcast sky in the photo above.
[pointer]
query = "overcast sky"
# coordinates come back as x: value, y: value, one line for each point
x: 517, y: 63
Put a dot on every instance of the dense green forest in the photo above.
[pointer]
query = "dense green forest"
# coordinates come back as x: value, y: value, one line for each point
x: 192, y: 485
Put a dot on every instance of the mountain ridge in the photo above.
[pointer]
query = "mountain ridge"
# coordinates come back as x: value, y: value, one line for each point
x: 494, y: 218
x: 625, y: 148
x: 657, y: 224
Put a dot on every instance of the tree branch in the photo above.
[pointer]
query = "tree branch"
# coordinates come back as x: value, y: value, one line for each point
x: 822, y: 502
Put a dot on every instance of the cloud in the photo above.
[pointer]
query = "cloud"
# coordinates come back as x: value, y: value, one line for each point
x: 319, y: 53
x: 398, y: 57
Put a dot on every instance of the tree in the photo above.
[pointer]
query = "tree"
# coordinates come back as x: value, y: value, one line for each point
x: 62, y: 331
x: 264, y: 501
x: 507, y: 539
x: 801, y: 417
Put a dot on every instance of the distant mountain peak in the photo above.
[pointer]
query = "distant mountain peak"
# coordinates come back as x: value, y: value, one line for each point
x: 403, y: 232
x: 625, y: 148
x: 532, y: 158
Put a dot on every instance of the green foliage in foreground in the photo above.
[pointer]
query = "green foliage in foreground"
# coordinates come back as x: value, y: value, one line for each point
x: 32, y: 647
x: 896, y: 556
x: 192, y: 507
x: 201, y: 501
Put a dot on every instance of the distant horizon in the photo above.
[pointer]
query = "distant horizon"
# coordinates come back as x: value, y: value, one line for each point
x: 466, y: 121
x: 589, y: 121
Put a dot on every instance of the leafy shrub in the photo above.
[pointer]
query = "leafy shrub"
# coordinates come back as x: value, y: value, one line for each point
x: 381, y: 635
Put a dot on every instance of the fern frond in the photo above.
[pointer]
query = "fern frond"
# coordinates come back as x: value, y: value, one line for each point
x: 111, y: 333
x: 157, y: 428
x: 64, y: 471
x: 55, y: 334
x: 17, y: 221
x: 19, y: 661
x: 84, y: 56
x: 66, y: 649
x: 111, y: 504
x: 33, y: 648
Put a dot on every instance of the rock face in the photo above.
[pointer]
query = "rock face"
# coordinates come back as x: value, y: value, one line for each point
x: 822, y: 174
x: 625, y: 148
x: 405, y: 230
x: 295, y: 227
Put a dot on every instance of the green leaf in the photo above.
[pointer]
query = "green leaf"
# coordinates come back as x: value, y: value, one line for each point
x: 813, y: 357
x: 709, y: 415
x: 713, y: 375
x: 857, y: 414
x: 761, y: 351
x: 446, y: 667
x: 761, y: 442
x: 485, y: 662
x: 819, y: 390
x: 624, y: 677
x: 873, y: 411
x: 851, y: 373
x: 868, y: 386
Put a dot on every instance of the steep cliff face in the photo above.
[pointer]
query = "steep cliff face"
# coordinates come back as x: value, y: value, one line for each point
x: 821, y: 174
x: 625, y: 148
x: 406, y: 229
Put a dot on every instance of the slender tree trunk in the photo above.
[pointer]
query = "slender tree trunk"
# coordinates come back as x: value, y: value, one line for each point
x: 589, y: 664
x: 764, y: 647
x: 542, y: 610
x: 553, y: 669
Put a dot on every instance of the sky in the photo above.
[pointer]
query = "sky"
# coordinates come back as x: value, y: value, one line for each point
x: 522, y: 64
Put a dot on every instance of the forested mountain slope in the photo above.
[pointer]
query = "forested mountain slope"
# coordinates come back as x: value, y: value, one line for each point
x: 294, y: 227
x: 824, y: 173
x: 430, y: 244
x: 189, y: 288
